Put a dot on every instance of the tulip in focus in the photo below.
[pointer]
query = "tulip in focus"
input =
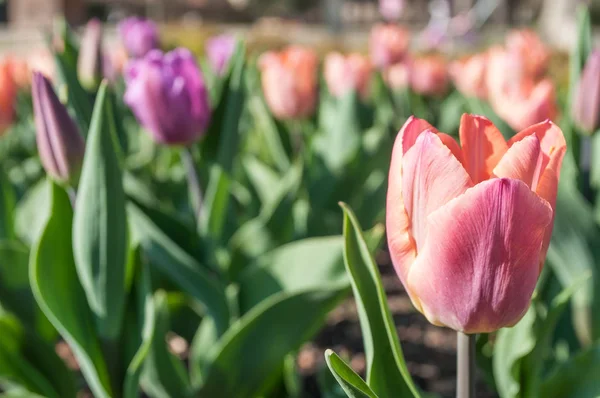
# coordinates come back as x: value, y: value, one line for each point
x: 344, y: 74
x: 8, y: 95
x: 168, y: 96
x: 388, y: 44
x: 139, y: 36
x: 469, y: 75
x: 429, y: 75
x: 586, y: 104
x: 469, y: 225
x: 289, y: 82
x: 60, y: 145
x: 528, y: 46
x: 89, y: 63
x: 219, y: 50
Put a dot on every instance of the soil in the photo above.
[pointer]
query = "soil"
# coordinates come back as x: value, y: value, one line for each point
x: 429, y: 351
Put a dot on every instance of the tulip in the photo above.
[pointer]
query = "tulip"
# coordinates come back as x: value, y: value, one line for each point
x: 219, y: 50
x: 60, y: 145
x: 139, y: 36
x: 534, y: 54
x: 8, y: 94
x: 586, y: 104
x: 89, y: 63
x: 469, y: 75
x: 289, y: 82
x: 344, y: 74
x: 391, y: 10
x: 168, y: 96
x: 397, y: 76
x: 388, y: 44
x: 468, y: 226
x: 429, y: 76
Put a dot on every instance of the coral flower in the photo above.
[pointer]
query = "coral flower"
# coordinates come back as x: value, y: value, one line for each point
x: 429, y: 75
x: 468, y: 226
x: 347, y: 73
x: 388, y: 44
x: 469, y: 75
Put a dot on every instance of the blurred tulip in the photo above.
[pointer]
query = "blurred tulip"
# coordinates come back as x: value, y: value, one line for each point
x: 530, y: 49
x: 139, y: 36
x: 168, y: 95
x: 42, y: 60
x: 469, y: 75
x: 388, y: 44
x: 219, y: 50
x: 429, y: 75
x: 391, y: 10
x: 468, y: 226
x: 8, y: 95
x: 586, y: 104
x: 60, y: 145
x: 19, y: 69
x: 89, y: 62
x: 397, y: 76
x: 289, y: 82
x: 114, y: 63
x: 344, y: 74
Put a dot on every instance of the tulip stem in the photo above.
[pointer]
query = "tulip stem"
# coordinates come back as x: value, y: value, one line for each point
x: 465, y: 365
x: 195, y: 189
x: 72, y: 196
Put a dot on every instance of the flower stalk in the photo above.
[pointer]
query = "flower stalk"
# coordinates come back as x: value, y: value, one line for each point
x: 465, y: 365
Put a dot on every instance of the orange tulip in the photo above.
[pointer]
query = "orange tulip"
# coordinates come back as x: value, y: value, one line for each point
x: 344, y: 74
x: 469, y: 75
x: 429, y: 75
x: 388, y: 44
x: 289, y: 82
x: 468, y: 226
x: 8, y: 94
x: 529, y: 48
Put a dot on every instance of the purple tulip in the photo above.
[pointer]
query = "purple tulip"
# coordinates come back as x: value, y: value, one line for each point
x: 60, y: 145
x: 586, y: 105
x: 168, y: 95
x: 219, y: 50
x: 89, y: 63
x: 139, y: 36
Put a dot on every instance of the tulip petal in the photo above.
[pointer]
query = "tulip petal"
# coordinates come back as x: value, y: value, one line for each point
x: 550, y: 136
x: 522, y: 161
x: 483, y: 146
x: 478, y: 269
x: 432, y: 176
x: 411, y: 130
x: 451, y: 143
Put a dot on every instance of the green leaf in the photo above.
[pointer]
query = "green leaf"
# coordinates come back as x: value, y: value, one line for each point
x: 511, y: 347
x: 581, y: 50
x: 353, y: 385
x: 262, y: 178
x: 304, y: 264
x: 216, y: 203
x: 8, y: 203
x: 576, y: 378
x: 387, y: 374
x: 164, y: 375
x: 177, y: 265
x: 245, y: 363
x: 100, y: 223
x: 143, y: 317
x: 32, y: 212
x: 57, y: 291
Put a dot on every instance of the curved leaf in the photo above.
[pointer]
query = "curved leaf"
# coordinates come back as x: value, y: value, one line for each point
x: 351, y: 383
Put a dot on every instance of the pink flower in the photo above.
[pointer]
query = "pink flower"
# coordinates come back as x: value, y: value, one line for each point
x: 388, y: 44
x: 468, y: 226
x: 397, y: 76
x: 429, y: 75
x: 533, y: 53
x: 344, y: 74
x: 289, y: 82
x: 586, y: 107
x: 469, y: 75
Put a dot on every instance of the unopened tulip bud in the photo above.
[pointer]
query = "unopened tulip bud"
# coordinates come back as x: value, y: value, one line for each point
x: 586, y: 104
x: 89, y: 63
x: 219, y: 50
x: 344, y: 74
x: 469, y: 225
x: 168, y: 96
x: 60, y: 145
x: 388, y: 44
x: 139, y: 36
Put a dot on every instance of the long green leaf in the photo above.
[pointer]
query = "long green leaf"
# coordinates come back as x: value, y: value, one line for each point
x: 100, y: 223
x: 57, y: 291
x: 8, y: 204
x: 351, y: 383
x: 577, y: 378
x: 387, y: 374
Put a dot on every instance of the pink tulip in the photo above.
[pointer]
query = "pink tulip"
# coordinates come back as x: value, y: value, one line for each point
x: 586, y: 106
x: 388, y: 44
x: 469, y: 75
x: 8, y: 97
x: 468, y: 226
x: 289, y: 82
x: 344, y: 74
x: 397, y: 76
x: 429, y: 75
x: 534, y: 54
